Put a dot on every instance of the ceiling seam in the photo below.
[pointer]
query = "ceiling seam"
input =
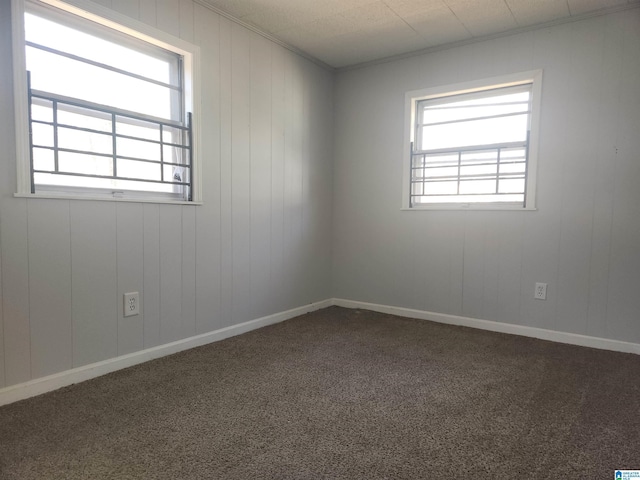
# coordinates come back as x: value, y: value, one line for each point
x: 506, y: 4
x: 457, y: 18
x: 401, y: 18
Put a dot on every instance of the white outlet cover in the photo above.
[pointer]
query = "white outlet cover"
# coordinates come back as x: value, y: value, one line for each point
x: 131, y: 304
x: 541, y: 291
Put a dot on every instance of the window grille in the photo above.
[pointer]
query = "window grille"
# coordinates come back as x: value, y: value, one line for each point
x: 471, y: 147
x: 123, y: 150
x: 107, y: 108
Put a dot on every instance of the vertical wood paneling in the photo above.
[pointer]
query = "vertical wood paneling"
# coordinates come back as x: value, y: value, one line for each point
x: 130, y: 250
x: 151, y: 275
x: 148, y: 12
x: 7, y: 175
x: 2, y: 377
x: 168, y: 16
x: 430, y: 263
x: 609, y: 104
x: 473, y: 266
x: 226, y: 173
x: 293, y: 180
x: 307, y: 214
x: 490, y: 270
x: 93, y: 281
x: 241, y: 172
x: 455, y: 223
x: 15, y: 290
x: 542, y: 228
x: 188, y: 309
x: 106, y: 3
x: 186, y: 20
x: 208, y: 217
x: 624, y: 281
x: 321, y: 180
x: 260, y: 101
x: 583, y: 239
x: 510, y: 252
x: 170, y: 273
x: 579, y: 169
x: 276, y: 255
x: 50, y: 287
x: 130, y: 8
x: 252, y: 249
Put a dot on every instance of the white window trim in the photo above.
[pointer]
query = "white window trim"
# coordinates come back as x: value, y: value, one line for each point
x: 132, y: 27
x: 534, y: 77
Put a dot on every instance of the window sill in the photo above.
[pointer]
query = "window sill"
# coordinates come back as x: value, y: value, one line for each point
x: 468, y: 208
x: 52, y: 196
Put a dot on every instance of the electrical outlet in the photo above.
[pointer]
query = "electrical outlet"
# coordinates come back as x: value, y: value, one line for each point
x: 541, y: 291
x: 131, y: 304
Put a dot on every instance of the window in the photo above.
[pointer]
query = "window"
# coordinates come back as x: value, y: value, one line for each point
x: 473, y: 145
x: 109, y: 106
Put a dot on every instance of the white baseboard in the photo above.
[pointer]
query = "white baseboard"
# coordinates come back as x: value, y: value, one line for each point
x: 49, y: 383
x: 541, y: 333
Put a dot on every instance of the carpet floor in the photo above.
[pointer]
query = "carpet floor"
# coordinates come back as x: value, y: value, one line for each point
x: 340, y: 394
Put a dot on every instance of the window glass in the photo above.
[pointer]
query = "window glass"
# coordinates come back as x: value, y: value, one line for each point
x: 106, y: 111
x: 471, y: 147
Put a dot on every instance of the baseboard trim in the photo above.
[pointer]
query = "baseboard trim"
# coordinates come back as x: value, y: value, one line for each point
x: 541, y: 333
x: 49, y: 383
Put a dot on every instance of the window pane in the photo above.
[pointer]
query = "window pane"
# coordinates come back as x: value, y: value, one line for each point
x: 89, y: 139
x: 478, y: 186
x: 43, y: 159
x: 175, y: 155
x: 511, y: 186
x: 141, y: 170
x: 42, y: 135
x: 475, y: 132
x: 135, y: 128
x: 176, y: 174
x: 515, y: 198
x: 85, y: 164
x: 71, y: 78
x: 456, y: 111
x: 441, y: 188
x: 138, y: 149
x: 478, y: 170
x: 84, y: 118
x: 42, y: 110
x: 103, y: 183
x: 85, y: 141
x: 173, y: 135
x: 59, y: 37
x: 512, y: 168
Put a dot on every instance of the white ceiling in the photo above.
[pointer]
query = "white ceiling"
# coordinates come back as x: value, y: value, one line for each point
x: 343, y: 33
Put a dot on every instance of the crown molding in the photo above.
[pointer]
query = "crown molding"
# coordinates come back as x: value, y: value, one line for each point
x: 508, y: 33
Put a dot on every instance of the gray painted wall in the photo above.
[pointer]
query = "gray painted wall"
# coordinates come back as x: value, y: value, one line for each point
x: 584, y: 239
x: 261, y: 244
x: 278, y: 200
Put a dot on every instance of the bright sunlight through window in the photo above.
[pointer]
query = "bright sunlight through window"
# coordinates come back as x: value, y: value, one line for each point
x: 472, y: 147
x: 107, y: 111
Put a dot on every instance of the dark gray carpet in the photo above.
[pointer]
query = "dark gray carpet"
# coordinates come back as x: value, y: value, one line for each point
x: 340, y: 394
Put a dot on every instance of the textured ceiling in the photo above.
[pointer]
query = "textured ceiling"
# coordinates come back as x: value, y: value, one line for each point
x: 343, y: 33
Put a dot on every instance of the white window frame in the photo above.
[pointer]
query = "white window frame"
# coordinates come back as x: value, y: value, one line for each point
x: 533, y: 77
x: 120, y: 23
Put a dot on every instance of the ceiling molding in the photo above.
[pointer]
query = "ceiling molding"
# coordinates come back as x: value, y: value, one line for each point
x: 264, y: 34
x: 423, y: 51
x: 529, y: 28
